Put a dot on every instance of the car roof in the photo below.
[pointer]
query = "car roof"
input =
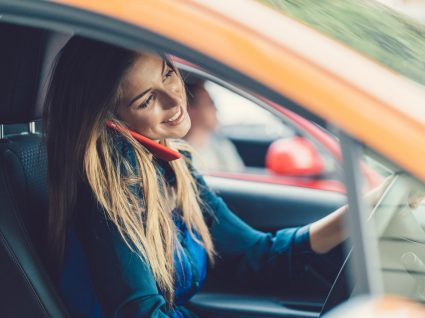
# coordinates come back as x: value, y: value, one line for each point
x: 367, y: 100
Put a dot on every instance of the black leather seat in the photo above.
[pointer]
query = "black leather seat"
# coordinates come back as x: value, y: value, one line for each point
x: 25, y: 287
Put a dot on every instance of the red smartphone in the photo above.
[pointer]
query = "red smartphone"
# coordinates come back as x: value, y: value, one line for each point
x: 154, y: 147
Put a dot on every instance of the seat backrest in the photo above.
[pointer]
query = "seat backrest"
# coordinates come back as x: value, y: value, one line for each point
x: 26, y: 289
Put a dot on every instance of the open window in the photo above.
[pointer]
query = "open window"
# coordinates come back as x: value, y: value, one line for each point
x: 256, y: 139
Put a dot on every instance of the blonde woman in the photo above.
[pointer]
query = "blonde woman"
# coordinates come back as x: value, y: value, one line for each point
x: 130, y: 234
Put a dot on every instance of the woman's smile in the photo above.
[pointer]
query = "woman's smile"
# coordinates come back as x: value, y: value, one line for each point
x: 176, y: 119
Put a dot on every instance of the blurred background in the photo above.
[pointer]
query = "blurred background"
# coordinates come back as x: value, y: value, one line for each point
x: 412, y: 8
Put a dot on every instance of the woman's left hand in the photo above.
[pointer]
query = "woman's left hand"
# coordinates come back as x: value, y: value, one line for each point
x: 373, y: 196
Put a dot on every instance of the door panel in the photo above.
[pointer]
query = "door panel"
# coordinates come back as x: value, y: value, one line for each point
x: 266, y: 207
x: 271, y: 207
x: 245, y: 304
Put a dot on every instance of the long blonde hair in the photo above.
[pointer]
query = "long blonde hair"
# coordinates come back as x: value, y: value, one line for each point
x: 81, y: 147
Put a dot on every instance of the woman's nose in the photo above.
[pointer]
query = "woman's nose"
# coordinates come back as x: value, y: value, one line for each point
x: 170, y: 98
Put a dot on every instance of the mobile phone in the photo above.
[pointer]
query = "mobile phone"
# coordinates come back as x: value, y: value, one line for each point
x: 158, y: 150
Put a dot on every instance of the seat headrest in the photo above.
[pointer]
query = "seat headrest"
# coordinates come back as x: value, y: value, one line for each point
x: 21, y: 58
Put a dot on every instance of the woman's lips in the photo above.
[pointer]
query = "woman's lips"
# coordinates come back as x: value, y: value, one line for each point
x: 176, y: 119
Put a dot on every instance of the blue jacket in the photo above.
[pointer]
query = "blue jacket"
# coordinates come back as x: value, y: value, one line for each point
x: 102, y: 277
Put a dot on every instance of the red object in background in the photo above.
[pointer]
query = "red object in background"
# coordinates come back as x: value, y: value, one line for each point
x: 294, y: 156
x: 373, y: 178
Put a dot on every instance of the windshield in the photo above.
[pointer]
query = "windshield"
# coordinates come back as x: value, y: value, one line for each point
x: 387, y: 36
x: 397, y: 225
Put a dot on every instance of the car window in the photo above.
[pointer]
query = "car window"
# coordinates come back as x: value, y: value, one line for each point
x: 232, y: 133
x: 248, y: 127
x: 239, y: 118
x: 397, y: 225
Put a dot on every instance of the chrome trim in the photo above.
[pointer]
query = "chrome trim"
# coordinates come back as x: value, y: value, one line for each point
x: 31, y: 127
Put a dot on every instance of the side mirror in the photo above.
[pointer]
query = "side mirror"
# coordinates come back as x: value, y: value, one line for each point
x: 294, y: 156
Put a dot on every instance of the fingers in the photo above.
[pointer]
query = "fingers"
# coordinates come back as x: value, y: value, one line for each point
x: 415, y: 198
x: 375, y: 194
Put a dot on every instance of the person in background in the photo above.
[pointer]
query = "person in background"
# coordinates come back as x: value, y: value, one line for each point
x: 215, y: 151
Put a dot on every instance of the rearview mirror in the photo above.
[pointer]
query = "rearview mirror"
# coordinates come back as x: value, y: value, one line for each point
x: 294, y: 156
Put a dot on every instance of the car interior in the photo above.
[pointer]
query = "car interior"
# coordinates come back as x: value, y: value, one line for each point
x: 27, y: 290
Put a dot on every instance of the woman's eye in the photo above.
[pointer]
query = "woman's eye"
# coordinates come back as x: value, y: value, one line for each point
x: 169, y: 73
x: 146, y: 102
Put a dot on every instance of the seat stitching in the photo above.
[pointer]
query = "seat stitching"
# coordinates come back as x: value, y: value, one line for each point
x: 13, y: 255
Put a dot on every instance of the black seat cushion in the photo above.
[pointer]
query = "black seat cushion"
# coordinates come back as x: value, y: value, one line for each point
x: 26, y: 289
x: 25, y: 160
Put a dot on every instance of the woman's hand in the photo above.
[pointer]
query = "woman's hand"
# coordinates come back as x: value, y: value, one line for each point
x: 329, y: 231
x: 373, y: 196
x: 415, y: 198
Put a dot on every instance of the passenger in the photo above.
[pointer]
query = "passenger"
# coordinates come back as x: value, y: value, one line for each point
x: 215, y: 150
x: 131, y: 233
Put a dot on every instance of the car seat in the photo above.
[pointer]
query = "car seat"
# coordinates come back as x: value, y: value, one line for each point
x: 26, y: 289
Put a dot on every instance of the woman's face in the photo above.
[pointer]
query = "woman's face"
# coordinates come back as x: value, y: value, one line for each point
x: 153, y: 101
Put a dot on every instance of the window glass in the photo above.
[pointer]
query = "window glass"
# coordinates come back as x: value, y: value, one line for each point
x: 243, y: 119
x: 397, y: 224
x: 231, y: 133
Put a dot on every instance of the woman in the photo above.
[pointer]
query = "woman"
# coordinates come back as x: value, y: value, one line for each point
x: 130, y: 234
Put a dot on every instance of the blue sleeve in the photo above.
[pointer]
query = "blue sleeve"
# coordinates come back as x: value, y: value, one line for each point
x: 244, y: 252
x: 263, y: 259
